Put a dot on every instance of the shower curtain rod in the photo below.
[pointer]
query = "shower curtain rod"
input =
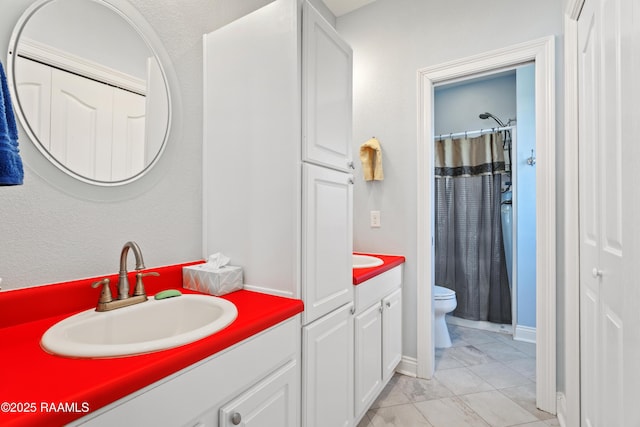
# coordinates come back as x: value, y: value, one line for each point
x: 472, y: 133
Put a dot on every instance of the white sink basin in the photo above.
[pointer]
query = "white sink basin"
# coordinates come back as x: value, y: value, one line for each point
x: 141, y: 328
x: 366, y: 261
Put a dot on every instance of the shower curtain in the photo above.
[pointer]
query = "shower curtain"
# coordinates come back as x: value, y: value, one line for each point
x: 469, y: 250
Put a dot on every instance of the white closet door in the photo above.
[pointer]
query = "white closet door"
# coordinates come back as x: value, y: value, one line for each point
x: 128, y: 146
x: 81, y: 124
x: 608, y: 321
x: 34, y: 88
x: 326, y: 93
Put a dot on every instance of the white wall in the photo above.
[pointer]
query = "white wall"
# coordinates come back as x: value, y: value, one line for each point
x: 391, y: 40
x: 54, y: 228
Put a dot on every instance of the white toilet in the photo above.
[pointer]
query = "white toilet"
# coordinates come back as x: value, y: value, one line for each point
x: 444, y: 301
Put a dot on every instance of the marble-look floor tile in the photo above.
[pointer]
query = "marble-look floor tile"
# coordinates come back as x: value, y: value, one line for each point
x: 484, y: 379
x: 526, y: 347
x: 462, y: 381
x: 533, y: 424
x: 501, y: 351
x: 417, y: 389
x: 391, y: 394
x: 449, y: 412
x: 497, y: 409
x: 526, y: 367
x: 444, y: 359
x: 470, y: 355
x: 473, y: 336
x: 365, y: 421
x: 397, y: 416
x: 499, y: 375
x: 525, y: 396
x: 548, y: 423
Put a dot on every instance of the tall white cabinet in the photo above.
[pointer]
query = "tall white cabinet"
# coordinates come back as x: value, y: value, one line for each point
x: 277, y: 185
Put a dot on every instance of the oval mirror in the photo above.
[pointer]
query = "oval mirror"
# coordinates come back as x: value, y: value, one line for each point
x: 89, y: 90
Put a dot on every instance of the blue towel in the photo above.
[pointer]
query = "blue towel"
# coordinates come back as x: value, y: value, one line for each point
x: 11, y: 172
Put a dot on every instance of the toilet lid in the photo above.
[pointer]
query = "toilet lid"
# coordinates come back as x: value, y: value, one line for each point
x: 440, y: 293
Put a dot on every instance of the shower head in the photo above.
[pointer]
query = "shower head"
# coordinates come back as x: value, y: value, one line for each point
x: 486, y: 115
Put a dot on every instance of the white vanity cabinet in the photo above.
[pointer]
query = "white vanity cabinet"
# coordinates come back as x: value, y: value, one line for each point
x: 378, y: 335
x: 254, y: 383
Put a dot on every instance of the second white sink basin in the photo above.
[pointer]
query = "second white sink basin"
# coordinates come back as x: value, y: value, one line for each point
x: 141, y: 328
x: 366, y: 261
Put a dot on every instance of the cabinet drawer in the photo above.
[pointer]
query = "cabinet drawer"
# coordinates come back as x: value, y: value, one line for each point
x: 376, y: 288
x: 271, y: 402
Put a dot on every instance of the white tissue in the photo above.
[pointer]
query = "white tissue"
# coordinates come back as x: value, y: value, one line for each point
x: 215, y: 276
x: 217, y: 260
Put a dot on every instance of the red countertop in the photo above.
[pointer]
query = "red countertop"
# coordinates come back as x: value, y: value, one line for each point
x: 363, y: 274
x: 38, y: 389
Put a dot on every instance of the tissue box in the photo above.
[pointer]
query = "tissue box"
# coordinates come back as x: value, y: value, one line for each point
x: 215, y: 281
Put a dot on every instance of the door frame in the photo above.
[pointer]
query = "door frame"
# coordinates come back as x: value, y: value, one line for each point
x: 569, y: 398
x: 542, y: 53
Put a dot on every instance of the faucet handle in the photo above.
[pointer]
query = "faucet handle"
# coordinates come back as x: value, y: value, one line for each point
x: 105, y: 294
x: 139, y: 289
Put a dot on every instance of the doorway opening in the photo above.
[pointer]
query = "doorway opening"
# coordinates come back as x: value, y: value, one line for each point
x: 541, y: 54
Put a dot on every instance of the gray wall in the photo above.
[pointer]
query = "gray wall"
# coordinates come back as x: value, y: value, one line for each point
x: 391, y: 40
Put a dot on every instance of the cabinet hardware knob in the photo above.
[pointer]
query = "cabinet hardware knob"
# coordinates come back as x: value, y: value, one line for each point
x: 236, y: 418
x: 389, y: 304
x: 350, y: 180
x: 351, y: 165
x: 353, y: 310
x: 596, y: 273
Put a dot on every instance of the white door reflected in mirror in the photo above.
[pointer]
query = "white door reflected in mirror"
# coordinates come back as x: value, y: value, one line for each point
x: 89, y: 90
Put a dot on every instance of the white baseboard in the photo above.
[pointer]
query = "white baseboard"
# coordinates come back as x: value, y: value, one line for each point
x: 525, y: 333
x: 408, y: 366
x: 562, y: 410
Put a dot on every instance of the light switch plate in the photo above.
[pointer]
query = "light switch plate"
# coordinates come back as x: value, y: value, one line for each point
x: 375, y: 219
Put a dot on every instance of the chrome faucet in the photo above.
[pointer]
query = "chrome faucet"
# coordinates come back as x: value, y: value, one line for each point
x: 106, y: 302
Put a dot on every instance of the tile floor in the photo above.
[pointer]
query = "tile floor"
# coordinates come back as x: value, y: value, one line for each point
x: 485, y: 379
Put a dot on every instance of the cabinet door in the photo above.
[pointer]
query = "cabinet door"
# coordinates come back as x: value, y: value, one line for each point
x: 272, y: 402
x: 327, y: 241
x: 368, y: 367
x: 391, y: 333
x: 327, y: 375
x: 326, y: 93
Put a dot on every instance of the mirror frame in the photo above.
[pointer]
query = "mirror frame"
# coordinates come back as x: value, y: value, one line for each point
x: 132, y: 17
